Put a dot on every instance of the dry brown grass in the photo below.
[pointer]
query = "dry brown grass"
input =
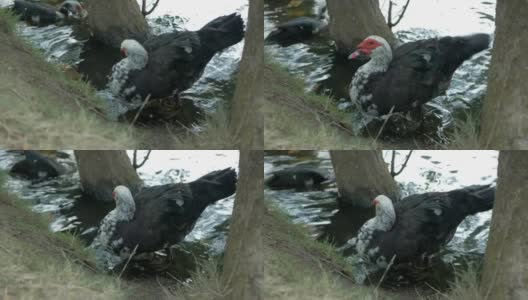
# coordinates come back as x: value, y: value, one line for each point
x: 465, y: 135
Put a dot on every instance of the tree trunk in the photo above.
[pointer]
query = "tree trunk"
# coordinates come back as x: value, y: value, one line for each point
x: 505, y: 113
x: 351, y: 21
x: 505, y: 274
x: 246, y: 120
x: 113, y: 21
x: 101, y: 171
x: 361, y: 176
x: 243, y: 263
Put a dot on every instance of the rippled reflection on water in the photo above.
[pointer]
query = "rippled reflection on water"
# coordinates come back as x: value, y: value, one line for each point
x: 61, y: 197
x: 66, y: 44
x: 316, y: 61
x: 427, y: 171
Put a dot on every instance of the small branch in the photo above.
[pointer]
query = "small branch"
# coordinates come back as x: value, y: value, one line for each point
x: 389, y: 16
x: 144, y: 10
x: 394, y: 174
x: 135, y: 165
x: 393, y: 161
x: 129, y: 259
x: 402, y: 13
x: 383, y: 125
x: 139, y: 111
x: 385, y: 273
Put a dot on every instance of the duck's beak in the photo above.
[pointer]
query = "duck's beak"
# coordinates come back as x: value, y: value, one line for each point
x: 359, y: 55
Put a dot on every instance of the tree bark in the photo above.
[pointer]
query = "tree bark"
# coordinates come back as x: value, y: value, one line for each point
x: 505, y: 273
x: 113, y: 21
x: 351, y: 21
x: 246, y: 120
x: 243, y: 263
x: 101, y: 171
x: 505, y: 113
x: 361, y: 176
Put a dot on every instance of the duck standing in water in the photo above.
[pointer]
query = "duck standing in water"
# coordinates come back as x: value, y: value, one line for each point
x: 41, y: 14
x: 157, y: 217
x: 168, y: 64
x: 413, y: 74
x: 418, y: 225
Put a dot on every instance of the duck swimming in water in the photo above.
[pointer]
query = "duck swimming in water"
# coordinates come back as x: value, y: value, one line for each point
x: 42, y: 14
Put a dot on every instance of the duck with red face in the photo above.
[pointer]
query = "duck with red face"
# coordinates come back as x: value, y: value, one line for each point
x: 413, y: 74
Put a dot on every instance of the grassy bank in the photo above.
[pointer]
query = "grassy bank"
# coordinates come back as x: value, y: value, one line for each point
x: 38, y: 264
x: 299, y: 267
x: 42, y: 107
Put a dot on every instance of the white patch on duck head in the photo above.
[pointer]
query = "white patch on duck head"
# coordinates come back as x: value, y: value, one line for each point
x: 381, y: 52
x: 124, y: 211
x: 124, y: 202
x: 383, y: 221
x: 136, y: 53
x: 35, y: 19
x: 385, y: 214
x: 309, y: 182
x: 73, y: 9
x: 136, y: 58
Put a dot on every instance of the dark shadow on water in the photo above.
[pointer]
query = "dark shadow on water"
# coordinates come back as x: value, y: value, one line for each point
x: 340, y: 76
x: 97, y: 62
x: 345, y: 224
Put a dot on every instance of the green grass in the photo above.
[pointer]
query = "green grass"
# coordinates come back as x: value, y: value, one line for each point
x: 465, y: 287
x: 7, y: 21
x: 215, y: 131
x: 205, y: 283
x: 296, y: 87
x: 465, y: 134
